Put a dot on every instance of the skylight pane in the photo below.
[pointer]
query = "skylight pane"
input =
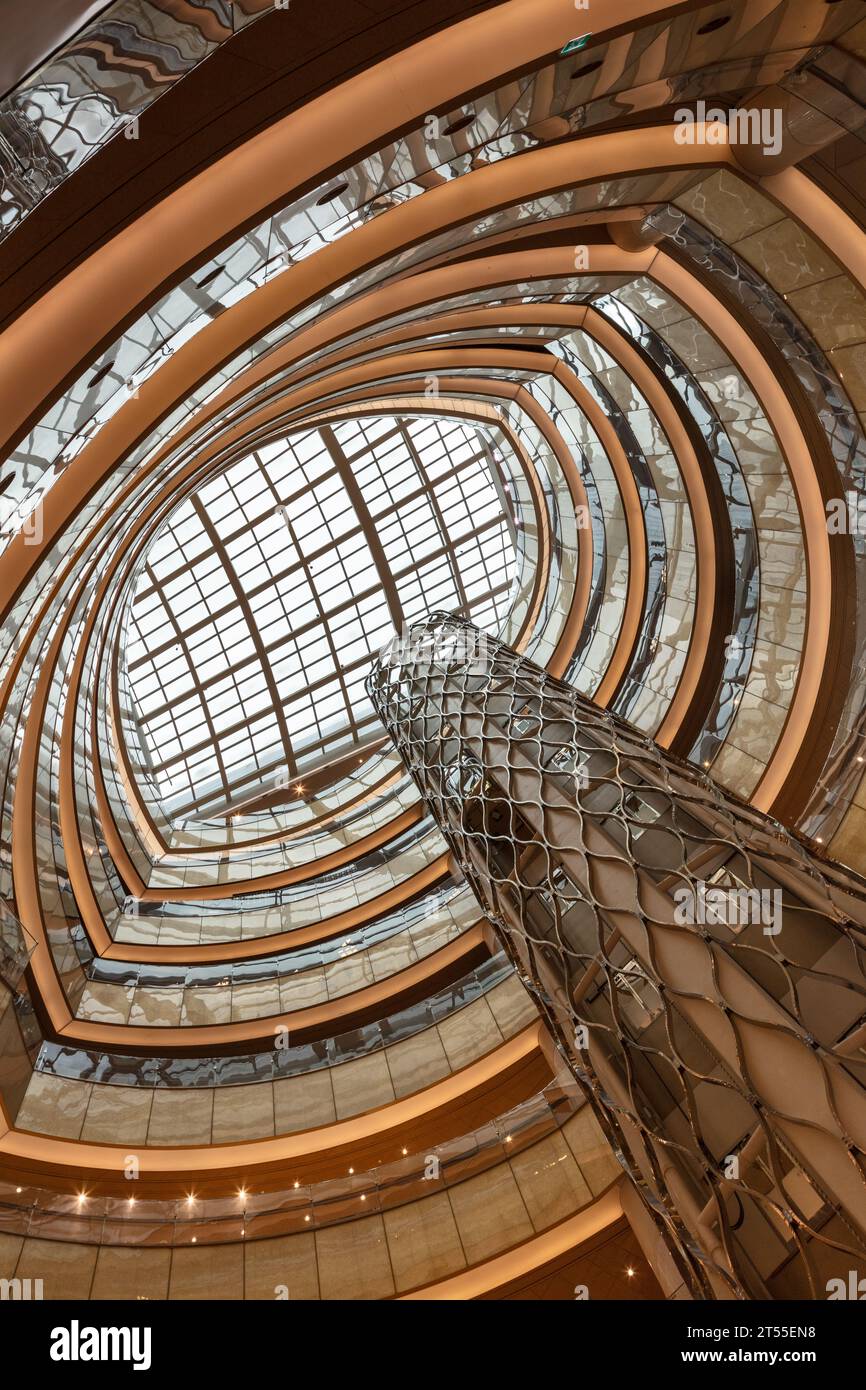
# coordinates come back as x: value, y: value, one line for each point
x: 276, y: 542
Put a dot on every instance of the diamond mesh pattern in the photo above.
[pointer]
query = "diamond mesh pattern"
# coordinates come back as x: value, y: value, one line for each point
x: 701, y: 969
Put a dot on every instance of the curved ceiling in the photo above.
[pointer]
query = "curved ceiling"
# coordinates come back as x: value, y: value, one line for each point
x: 466, y: 322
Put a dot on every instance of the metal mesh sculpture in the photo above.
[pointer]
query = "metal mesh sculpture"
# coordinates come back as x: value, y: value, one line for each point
x: 701, y: 969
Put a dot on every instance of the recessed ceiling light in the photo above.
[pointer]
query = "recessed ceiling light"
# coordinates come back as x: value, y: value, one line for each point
x: 586, y: 69
x: 460, y: 123
x: 98, y: 376
x: 212, y: 275
x: 331, y: 194
x: 713, y: 25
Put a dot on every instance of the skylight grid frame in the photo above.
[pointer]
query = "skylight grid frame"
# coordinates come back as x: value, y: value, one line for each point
x: 268, y: 580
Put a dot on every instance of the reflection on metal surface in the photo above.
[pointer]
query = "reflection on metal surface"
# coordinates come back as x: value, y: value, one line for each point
x: 723, y: 1051
x: 274, y: 1064
x: 744, y: 625
x: 296, y: 1206
x: 95, y: 87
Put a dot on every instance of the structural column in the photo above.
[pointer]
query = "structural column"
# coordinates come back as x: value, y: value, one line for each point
x: 700, y: 968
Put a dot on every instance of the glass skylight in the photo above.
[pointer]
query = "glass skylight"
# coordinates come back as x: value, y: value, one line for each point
x: 265, y: 596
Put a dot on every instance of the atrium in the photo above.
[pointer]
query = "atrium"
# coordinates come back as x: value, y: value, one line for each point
x: 433, y: 650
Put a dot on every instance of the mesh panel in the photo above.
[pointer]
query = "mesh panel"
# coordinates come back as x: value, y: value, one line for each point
x: 701, y: 969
